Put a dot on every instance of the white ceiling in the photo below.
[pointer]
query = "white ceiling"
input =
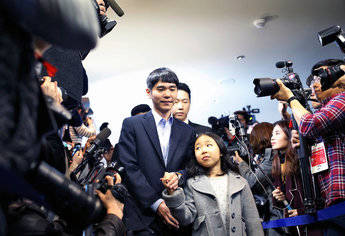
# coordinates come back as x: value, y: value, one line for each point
x: 200, y: 40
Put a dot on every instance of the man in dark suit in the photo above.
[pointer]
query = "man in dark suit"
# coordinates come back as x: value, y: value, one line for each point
x: 182, y: 106
x: 150, y: 145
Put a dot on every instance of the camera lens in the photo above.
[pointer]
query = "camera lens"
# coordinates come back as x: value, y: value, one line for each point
x: 265, y: 87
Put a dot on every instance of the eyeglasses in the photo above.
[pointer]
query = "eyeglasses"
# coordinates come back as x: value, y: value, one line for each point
x: 316, y: 79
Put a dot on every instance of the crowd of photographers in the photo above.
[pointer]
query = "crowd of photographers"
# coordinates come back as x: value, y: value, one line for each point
x: 59, y: 176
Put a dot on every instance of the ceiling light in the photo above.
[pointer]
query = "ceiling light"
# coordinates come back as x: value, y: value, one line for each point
x: 262, y: 21
x: 241, y: 58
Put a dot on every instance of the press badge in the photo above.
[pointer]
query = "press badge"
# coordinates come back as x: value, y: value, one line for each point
x: 318, y: 158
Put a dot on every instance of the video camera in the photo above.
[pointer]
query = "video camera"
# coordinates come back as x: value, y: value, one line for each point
x: 94, y: 176
x: 239, y: 144
x: 105, y: 24
x: 232, y: 123
x: 328, y: 76
x: 331, y: 34
x: 251, y: 119
x: 74, y: 202
x: 268, y: 87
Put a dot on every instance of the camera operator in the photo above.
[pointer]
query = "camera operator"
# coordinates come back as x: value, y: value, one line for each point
x: 111, y: 224
x: 325, y: 126
x: 27, y: 218
x: 88, y: 130
x: 316, y: 105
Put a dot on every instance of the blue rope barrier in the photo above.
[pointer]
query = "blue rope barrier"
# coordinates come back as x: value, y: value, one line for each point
x: 321, y: 215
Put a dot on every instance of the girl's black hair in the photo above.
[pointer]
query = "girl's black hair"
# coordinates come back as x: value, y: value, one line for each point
x: 226, y: 163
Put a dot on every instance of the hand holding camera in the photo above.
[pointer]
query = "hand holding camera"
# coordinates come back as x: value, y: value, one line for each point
x: 284, y: 92
x: 113, y: 205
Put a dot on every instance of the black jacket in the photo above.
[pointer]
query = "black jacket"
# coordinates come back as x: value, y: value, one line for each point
x: 199, y: 129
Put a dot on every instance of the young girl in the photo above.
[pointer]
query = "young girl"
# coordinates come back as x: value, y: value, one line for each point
x: 216, y: 199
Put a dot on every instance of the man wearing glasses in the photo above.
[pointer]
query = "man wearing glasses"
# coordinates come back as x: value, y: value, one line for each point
x: 327, y: 127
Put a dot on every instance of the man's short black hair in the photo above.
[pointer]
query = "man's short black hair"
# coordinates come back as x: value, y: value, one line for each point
x: 184, y: 87
x: 140, y: 109
x: 161, y: 74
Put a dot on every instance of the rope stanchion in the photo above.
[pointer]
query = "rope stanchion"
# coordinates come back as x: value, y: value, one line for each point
x: 321, y: 215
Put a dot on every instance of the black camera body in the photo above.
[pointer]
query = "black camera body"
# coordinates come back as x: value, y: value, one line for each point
x: 268, y: 87
x: 236, y: 145
x: 239, y: 144
x: 328, y: 76
x: 331, y: 34
x: 105, y: 24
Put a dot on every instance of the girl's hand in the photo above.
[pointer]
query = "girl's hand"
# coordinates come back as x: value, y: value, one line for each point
x: 170, y: 181
x: 278, y: 195
x: 293, y: 213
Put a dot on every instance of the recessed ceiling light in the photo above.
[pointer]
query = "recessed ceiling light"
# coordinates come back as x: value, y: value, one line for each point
x: 262, y: 21
x: 241, y: 58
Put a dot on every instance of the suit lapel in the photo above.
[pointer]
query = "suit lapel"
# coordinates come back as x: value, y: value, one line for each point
x: 174, y: 140
x: 151, y: 130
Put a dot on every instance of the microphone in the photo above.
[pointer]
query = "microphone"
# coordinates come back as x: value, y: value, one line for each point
x: 100, y: 138
x: 282, y: 64
x: 117, y: 9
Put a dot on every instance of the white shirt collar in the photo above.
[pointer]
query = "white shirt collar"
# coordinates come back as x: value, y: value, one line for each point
x: 157, y: 117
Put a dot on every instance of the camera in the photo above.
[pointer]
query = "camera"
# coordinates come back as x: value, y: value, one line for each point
x: 268, y: 87
x: 218, y: 125
x: 232, y: 123
x: 105, y: 24
x: 238, y: 145
x: 331, y: 34
x: 119, y: 191
x: 328, y: 76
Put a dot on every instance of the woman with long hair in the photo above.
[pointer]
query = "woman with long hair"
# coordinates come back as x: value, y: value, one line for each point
x: 256, y: 175
x: 286, y: 175
x: 285, y: 170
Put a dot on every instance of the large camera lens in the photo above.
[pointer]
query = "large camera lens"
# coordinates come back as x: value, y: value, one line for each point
x: 265, y: 87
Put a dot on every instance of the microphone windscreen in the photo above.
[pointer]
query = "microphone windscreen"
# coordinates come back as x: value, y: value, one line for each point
x: 280, y: 64
x: 117, y: 9
x: 103, y: 135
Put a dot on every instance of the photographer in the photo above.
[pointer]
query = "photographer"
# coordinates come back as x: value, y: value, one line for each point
x: 325, y: 126
x: 28, y: 218
x: 88, y: 130
x: 111, y: 224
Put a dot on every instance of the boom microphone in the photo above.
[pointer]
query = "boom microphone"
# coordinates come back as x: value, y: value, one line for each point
x: 282, y: 64
x: 100, y: 138
x: 117, y: 9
